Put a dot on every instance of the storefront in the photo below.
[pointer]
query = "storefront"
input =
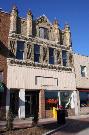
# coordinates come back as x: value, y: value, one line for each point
x: 54, y: 98
x: 23, y: 104
x: 84, y: 98
x: 84, y: 101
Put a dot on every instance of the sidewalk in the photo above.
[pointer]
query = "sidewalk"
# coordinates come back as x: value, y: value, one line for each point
x: 20, y: 123
x: 47, y: 122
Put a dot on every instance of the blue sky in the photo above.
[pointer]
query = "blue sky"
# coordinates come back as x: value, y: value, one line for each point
x: 74, y: 12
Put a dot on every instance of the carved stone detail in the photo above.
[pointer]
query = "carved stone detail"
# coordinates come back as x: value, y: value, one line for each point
x: 44, y: 54
x: 58, y: 57
x: 12, y: 46
x: 70, y: 59
x: 29, y: 51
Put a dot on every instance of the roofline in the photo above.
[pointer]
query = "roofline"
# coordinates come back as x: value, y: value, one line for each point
x: 80, y: 54
x: 4, y: 12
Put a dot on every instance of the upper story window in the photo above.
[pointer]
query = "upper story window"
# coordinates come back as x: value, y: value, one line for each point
x: 1, y: 76
x: 64, y: 57
x: 83, y: 71
x: 20, y: 50
x: 51, y: 56
x: 36, y: 53
x: 43, y: 33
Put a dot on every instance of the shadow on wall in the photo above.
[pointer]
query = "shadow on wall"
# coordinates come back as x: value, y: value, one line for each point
x: 4, y: 51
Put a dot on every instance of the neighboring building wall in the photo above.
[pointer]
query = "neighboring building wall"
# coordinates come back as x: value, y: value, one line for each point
x: 4, y: 32
x: 82, y: 82
x: 80, y: 60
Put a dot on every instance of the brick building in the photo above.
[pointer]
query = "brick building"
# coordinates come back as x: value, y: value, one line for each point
x: 4, y: 32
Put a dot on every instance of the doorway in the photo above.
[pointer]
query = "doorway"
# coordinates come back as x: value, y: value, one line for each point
x: 31, y: 103
x: 14, y: 102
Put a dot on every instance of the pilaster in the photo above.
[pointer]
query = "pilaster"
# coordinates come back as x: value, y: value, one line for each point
x: 42, y: 104
x: 22, y: 103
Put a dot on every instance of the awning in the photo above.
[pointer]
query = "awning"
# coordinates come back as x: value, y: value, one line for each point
x: 1, y: 87
x: 84, y: 90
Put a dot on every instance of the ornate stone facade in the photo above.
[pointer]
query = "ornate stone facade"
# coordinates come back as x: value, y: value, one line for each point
x: 43, y: 33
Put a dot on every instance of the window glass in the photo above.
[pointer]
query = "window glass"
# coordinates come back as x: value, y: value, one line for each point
x: 1, y: 76
x: 51, y: 99
x: 65, y: 98
x: 64, y: 57
x: 36, y: 53
x: 43, y: 33
x: 20, y: 50
x: 84, y: 99
x: 83, y: 71
x: 51, y: 56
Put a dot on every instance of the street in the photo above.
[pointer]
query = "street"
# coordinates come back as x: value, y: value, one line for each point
x: 75, y: 127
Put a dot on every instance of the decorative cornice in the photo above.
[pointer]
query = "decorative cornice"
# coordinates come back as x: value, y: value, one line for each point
x: 35, y: 64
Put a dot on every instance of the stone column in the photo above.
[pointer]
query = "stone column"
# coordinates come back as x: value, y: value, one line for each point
x: 77, y: 102
x: 56, y: 31
x: 72, y: 100
x: 42, y: 104
x: 22, y: 103
x: 13, y: 20
x: 67, y: 36
x: 29, y: 23
x: 55, y: 56
x: 7, y: 101
x: 41, y: 54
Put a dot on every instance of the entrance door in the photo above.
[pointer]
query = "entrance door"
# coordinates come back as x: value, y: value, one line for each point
x: 31, y: 103
x: 28, y: 105
x: 14, y: 102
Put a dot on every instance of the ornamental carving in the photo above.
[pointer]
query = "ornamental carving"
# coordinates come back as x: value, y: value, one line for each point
x: 71, y: 59
x: 12, y: 46
x: 29, y: 51
x: 58, y: 57
x: 44, y: 53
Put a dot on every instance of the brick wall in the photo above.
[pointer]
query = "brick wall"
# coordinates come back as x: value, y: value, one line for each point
x: 4, y: 31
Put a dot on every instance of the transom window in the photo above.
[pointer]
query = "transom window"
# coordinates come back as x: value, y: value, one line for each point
x: 83, y: 71
x: 36, y: 53
x: 64, y: 57
x: 51, y: 56
x: 20, y: 50
x: 43, y: 33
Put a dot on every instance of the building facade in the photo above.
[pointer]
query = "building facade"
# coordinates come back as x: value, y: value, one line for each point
x: 81, y: 64
x: 41, y: 69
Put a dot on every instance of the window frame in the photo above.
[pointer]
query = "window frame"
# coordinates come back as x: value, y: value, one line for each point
x: 64, y: 59
x: 36, y: 54
x: 19, y: 51
x: 83, y: 71
x: 51, y: 57
x: 43, y: 33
